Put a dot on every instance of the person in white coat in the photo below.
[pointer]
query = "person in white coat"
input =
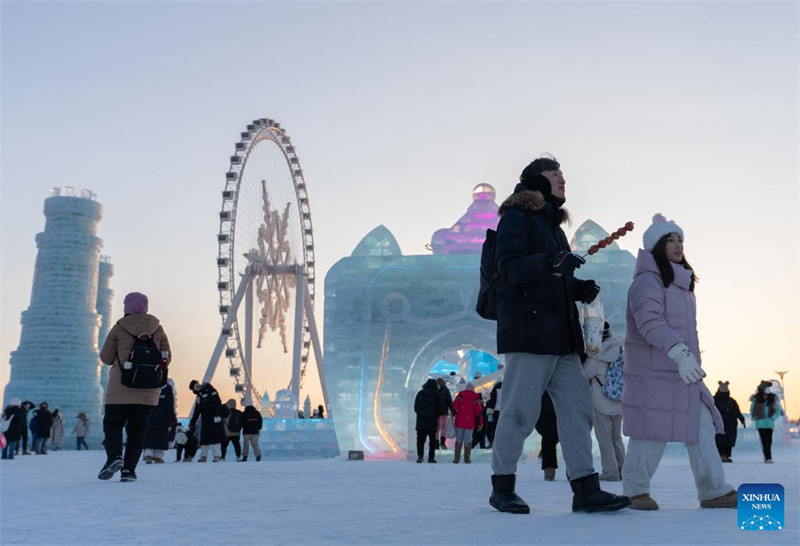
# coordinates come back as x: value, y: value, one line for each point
x: 607, y: 412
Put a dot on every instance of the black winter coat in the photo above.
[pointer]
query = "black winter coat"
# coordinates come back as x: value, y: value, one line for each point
x: 426, y: 406
x: 17, y: 426
x: 210, y: 411
x: 536, y: 310
x: 446, y: 401
x: 731, y: 417
x: 161, y: 420
x: 44, y: 422
x: 252, y: 421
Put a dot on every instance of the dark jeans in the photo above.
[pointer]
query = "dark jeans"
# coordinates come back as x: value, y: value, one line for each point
x: 81, y: 441
x: 179, y: 450
x: 548, y: 453
x: 237, y: 446
x: 8, y: 451
x: 432, y: 444
x: 40, y: 444
x: 133, y: 418
x: 766, y: 441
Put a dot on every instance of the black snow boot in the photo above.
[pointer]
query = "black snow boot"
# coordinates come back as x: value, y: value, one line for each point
x: 588, y: 497
x: 503, y: 496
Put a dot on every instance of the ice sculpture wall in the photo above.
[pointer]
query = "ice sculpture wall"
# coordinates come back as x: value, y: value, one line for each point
x: 57, y: 358
x: 390, y: 319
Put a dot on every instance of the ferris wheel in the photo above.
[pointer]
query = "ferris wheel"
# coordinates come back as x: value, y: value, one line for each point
x: 266, y: 267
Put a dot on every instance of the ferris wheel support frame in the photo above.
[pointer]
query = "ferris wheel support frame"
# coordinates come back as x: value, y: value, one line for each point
x: 304, y: 309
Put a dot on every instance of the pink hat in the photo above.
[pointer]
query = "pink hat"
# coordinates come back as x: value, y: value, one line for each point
x: 135, y: 303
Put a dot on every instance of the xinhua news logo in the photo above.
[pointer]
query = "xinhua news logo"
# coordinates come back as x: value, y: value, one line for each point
x: 760, y: 507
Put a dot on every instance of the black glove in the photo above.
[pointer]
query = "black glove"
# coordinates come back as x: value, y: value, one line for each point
x: 589, y: 291
x: 564, y: 263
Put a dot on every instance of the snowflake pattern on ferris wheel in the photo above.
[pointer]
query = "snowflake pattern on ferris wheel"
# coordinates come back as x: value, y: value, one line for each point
x: 266, y: 243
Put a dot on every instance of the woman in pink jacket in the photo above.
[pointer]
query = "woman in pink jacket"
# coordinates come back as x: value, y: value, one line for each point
x: 469, y: 414
x: 664, y: 398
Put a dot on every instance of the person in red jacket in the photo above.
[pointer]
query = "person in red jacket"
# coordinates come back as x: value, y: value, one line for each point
x: 467, y: 407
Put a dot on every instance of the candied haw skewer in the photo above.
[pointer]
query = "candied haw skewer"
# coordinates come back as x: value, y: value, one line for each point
x: 610, y: 239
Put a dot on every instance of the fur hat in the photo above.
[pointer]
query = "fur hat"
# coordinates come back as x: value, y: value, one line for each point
x: 660, y: 227
x: 135, y: 303
x: 192, y: 383
x: 15, y: 402
x: 723, y: 386
x: 470, y: 387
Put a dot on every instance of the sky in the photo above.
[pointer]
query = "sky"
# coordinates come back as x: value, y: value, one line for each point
x: 396, y: 502
x: 397, y: 110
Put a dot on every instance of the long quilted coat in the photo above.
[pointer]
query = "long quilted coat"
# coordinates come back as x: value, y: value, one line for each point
x: 656, y: 403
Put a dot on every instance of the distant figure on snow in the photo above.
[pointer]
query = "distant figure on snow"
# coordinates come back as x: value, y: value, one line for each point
x: 81, y: 430
x: 765, y: 408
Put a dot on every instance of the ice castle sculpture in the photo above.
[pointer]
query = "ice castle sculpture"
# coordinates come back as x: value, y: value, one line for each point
x: 57, y: 358
x: 393, y: 320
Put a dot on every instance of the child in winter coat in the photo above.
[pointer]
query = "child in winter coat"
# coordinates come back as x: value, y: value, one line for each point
x: 180, y: 441
x: 765, y: 408
x: 607, y: 412
x: 468, y: 411
x: 664, y: 398
x: 81, y: 431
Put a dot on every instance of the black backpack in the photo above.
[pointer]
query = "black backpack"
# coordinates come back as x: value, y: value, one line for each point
x: 144, y: 368
x: 235, y: 421
x: 487, y: 294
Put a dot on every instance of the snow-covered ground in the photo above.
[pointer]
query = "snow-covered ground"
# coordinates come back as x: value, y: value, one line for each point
x: 57, y: 499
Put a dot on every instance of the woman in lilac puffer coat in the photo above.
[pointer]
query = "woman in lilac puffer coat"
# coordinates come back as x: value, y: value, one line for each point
x: 664, y: 398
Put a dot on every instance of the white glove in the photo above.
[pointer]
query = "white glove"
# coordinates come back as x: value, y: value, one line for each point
x: 688, y: 368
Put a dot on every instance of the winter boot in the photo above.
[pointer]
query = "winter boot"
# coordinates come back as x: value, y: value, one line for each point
x: 549, y: 474
x: 728, y: 500
x: 201, y: 459
x: 128, y: 476
x: 442, y: 444
x: 420, y: 459
x: 457, y: 456
x: 467, y: 454
x: 158, y: 460
x: 503, y: 496
x: 216, y: 460
x: 643, y: 502
x: 588, y: 497
x: 148, y: 459
x: 258, y: 458
x: 244, y: 459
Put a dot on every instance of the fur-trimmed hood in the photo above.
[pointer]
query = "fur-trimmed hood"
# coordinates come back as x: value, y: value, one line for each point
x: 529, y: 202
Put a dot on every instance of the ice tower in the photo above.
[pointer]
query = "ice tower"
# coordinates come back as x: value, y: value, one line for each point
x: 105, y: 299
x: 57, y: 358
x: 391, y: 321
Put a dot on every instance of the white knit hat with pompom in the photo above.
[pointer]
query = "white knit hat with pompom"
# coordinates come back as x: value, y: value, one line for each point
x: 660, y: 227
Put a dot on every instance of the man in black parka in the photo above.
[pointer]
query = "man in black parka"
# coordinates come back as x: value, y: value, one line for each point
x: 539, y: 333
x: 427, y: 405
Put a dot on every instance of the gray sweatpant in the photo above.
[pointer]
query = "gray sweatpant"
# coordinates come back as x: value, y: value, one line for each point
x: 608, y: 431
x: 525, y: 380
x: 643, y: 457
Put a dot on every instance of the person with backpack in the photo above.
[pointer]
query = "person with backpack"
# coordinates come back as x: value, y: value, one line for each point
x: 129, y: 347
x: 81, y: 430
x: 159, y: 424
x: 253, y: 421
x: 427, y: 406
x: 664, y: 398
x: 468, y: 416
x: 233, y: 430
x: 765, y: 408
x: 607, y: 405
x: 731, y: 417
x: 539, y: 334
x: 209, y: 412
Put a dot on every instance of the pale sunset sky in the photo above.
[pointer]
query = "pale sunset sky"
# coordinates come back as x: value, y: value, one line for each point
x: 397, y: 109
